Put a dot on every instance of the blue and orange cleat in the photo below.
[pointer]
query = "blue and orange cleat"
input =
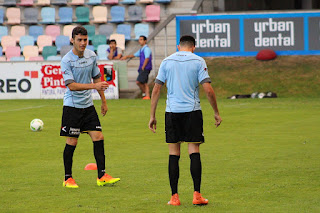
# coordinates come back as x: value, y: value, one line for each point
x: 70, y: 183
x: 106, y: 179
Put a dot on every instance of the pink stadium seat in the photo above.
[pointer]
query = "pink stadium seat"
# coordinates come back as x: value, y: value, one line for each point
x: 120, y: 39
x: 13, y: 16
x: 53, y: 31
x: 44, y: 40
x: 77, y: 2
x: 36, y: 58
x: 7, y: 41
x: 67, y: 30
x: 12, y: 52
x: 111, y: 2
x: 100, y: 14
x: 17, y: 32
x: 152, y: 13
x: 26, y: 3
x: 30, y: 51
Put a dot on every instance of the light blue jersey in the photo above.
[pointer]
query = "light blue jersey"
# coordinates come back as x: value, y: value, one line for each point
x: 183, y: 71
x: 79, y: 70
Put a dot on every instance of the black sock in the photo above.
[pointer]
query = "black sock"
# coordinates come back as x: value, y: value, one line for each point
x: 98, y: 150
x: 67, y: 160
x: 196, y: 169
x: 174, y: 173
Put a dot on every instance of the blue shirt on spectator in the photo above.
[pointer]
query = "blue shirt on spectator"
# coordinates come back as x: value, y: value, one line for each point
x: 143, y: 53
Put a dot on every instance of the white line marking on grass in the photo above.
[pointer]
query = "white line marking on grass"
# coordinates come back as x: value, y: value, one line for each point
x: 25, y: 108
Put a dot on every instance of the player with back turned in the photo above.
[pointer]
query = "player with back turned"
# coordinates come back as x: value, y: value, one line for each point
x: 79, y: 67
x: 182, y: 72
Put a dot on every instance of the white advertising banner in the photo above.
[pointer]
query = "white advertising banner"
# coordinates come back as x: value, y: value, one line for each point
x: 43, y: 80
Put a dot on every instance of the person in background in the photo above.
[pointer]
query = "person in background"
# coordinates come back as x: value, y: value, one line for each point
x: 115, y: 52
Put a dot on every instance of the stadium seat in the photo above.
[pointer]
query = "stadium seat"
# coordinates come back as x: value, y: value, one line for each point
x: 26, y: 40
x: 141, y: 29
x: 117, y: 14
x: 44, y: 40
x: 1, y: 15
x: 30, y: 51
x: 53, y: 31
x: 54, y: 58
x: 9, y: 3
x: 3, y: 31
x: 100, y: 14
x: 43, y: 3
x: 110, y: 2
x: 25, y: 3
x: 13, y: 16
x: 36, y: 58
x: 82, y: 14
x: 90, y: 47
x: 30, y: 15
x: 94, y: 2
x: 65, y: 15
x: 102, y: 52
x: 13, y: 51
x: 7, y: 41
x: 17, y: 58
x: 3, y: 58
x: 124, y: 29
x: 35, y: 31
x: 65, y: 49
x: 163, y: 1
x: 97, y: 40
x: 128, y: 2
x: 152, y: 13
x: 49, y: 51
x: 48, y: 15
x: 17, y: 31
x: 62, y: 40
x: 106, y: 30
x: 59, y: 2
x: 91, y: 31
x: 135, y: 13
x: 0, y: 51
x: 67, y: 30
x: 120, y: 39
x: 77, y: 2
x: 146, y: 1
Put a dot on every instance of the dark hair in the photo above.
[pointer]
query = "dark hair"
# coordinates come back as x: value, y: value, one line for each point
x: 79, y: 30
x: 187, y: 40
x: 112, y: 40
x: 144, y: 38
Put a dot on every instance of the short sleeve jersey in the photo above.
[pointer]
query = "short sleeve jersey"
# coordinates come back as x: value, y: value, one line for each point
x: 143, y: 53
x: 182, y: 72
x: 79, y: 70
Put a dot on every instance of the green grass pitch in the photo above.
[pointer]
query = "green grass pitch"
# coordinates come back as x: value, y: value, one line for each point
x: 263, y: 158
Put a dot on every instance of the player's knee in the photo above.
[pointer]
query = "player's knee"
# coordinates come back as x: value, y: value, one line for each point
x: 72, y: 141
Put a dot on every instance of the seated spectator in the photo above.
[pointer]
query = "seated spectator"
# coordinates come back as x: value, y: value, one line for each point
x: 114, y: 51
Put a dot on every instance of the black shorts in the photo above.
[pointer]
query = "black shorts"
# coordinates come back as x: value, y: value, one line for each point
x: 143, y: 76
x: 184, y: 127
x: 77, y: 120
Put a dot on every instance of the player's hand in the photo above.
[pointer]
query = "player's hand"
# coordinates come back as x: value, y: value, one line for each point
x: 104, y: 109
x: 218, y: 120
x: 153, y: 124
x: 123, y: 58
x: 101, y: 85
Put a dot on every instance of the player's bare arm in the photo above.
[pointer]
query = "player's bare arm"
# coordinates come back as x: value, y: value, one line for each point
x: 154, y: 102
x: 126, y: 57
x: 104, y: 106
x: 102, y: 85
x: 213, y: 102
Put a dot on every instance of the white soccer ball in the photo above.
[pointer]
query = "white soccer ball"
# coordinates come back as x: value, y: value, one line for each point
x: 36, y: 125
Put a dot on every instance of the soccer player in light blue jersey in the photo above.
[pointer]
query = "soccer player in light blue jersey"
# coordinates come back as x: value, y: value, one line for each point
x: 182, y: 72
x: 79, y: 67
